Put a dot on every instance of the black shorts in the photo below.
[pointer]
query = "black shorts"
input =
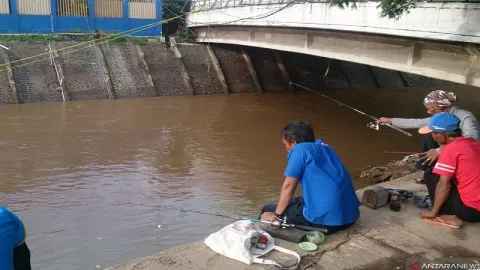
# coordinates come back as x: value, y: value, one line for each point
x: 21, y: 257
x: 294, y: 215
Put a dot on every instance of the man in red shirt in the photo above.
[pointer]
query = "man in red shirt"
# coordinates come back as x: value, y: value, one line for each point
x: 454, y: 182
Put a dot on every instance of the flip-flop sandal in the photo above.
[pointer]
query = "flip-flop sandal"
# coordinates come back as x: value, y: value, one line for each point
x: 440, y: 221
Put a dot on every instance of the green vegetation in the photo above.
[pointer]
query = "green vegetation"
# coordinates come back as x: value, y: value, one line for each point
x: 31, y: 38
x: 186, y: 35
x: 35, y: 38
x: 392, y: 9
x: 173, y: 8
x: 126, y: 39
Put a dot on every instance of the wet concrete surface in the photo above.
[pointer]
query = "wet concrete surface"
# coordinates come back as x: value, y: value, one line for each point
x: 234, y: 68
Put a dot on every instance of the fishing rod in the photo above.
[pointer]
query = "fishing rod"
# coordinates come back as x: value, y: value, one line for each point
x: 279, y: 223
x: 370, y: 125
x: 400, y: 153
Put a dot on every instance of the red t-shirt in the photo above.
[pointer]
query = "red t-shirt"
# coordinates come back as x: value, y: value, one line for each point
x: 461, y: 159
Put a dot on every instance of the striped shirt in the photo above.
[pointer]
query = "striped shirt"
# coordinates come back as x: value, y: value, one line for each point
x: 460, y: 160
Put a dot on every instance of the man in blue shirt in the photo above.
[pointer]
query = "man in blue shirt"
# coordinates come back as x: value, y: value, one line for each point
x: 329, y: 200
x: 14, y: 253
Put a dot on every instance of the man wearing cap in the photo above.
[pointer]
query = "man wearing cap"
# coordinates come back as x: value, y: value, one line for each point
x: 454, y: 183
x: 437, y: 101
x: 14, y: 253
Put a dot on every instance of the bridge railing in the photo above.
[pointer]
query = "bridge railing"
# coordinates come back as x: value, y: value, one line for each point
x: 198, y: 5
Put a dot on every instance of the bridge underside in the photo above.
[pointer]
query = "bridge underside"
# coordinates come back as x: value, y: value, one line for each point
x: 455, y: 62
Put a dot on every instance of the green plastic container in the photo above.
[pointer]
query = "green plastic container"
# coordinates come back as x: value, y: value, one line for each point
x: 315, y: 237
x: 307, y: 246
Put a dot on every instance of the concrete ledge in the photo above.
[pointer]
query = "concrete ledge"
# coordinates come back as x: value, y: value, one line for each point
x: 451, y: 62
x: 106, y: 72
x: 146, y: 71
x: 184, y: 72
x: 379, y: 236
x: 11, y: 80
x: 60, y: 73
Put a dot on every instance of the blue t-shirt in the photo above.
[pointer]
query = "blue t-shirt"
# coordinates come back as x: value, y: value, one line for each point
x: 12, y: 234
x: 327, y: 188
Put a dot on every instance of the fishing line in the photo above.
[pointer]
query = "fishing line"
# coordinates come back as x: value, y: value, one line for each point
x: 179, y: 209
x: 370, y: 125
x: 276, y: 223
x: 400, y: 152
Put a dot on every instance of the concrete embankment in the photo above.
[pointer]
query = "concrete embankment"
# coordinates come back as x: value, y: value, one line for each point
x: 149, y: 69
x: 381, y: 239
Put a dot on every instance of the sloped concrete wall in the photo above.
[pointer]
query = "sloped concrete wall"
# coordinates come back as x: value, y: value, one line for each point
x: 164, y: 69
x: 204, y: 79
x: 83, y: 73
x: 359, y: 76
x: 125, y: 71
x: 5, y: 90
x: 35, y: 82
x: 267, y: 69
x: 85, y: 77
x: 234, y: 68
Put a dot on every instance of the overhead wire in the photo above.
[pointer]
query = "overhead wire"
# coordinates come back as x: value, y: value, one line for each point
x: 125, y: 33
x: 256, y: 17
x: 95, y: 42
x: 83, y: 43
x: 69, y: 52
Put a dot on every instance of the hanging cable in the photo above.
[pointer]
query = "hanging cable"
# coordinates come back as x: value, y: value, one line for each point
x: 120, y: 34
x: 72, y: 51
x: 125, y: 33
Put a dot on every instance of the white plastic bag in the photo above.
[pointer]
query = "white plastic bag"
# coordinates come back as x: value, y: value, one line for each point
x: 238, y: 241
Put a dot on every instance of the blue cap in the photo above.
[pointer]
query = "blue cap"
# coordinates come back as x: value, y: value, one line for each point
x: 441, y: 122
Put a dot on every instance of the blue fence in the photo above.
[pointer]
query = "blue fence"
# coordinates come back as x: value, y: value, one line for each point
x: 67, y: 16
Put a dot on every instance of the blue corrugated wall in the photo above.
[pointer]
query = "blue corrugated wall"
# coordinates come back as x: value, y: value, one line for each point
x: 18, y: 23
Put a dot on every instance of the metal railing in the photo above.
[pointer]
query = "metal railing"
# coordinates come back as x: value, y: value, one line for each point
x: 221, y: 4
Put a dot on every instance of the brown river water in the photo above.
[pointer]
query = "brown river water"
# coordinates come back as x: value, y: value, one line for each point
x: 64, y: 168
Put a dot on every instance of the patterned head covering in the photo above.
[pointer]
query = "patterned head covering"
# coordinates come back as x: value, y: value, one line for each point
x: 439, y: 98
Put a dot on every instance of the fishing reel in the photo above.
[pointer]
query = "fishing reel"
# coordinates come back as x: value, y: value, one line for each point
x: 278, y: 223
x: 373, y: 125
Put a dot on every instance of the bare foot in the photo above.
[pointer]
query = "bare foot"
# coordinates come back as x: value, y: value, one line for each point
x: 452, y: 219
x: 419, y: 180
